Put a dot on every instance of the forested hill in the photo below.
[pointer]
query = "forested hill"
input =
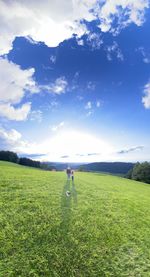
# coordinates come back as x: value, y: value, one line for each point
x: 110, y: 167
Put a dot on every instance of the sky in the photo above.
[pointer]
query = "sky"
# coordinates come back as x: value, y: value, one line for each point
x: 75, y: 79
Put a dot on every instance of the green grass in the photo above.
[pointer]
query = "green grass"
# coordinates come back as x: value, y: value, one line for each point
x: 103, y: 229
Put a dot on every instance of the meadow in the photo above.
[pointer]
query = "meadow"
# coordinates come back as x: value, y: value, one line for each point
x: 102, y: 229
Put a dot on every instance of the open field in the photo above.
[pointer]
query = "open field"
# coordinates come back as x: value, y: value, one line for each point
x: 102, y: 229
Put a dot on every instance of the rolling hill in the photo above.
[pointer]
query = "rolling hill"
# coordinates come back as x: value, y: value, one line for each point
x: 109, y: 167
x: 102, y: 229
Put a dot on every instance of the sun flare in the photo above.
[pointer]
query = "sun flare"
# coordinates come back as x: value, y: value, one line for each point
x: 75, y: 146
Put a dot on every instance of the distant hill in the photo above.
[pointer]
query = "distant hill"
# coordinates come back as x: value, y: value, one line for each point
x: 109, y: 167
x: 62, y: 166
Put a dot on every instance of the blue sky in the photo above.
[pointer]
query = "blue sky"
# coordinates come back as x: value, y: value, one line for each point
x: 75, y: 80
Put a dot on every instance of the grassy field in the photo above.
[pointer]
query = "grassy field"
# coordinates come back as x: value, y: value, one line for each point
x: 102, y: 229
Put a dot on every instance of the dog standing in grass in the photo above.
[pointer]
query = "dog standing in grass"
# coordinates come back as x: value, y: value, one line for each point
x: 72, y: 175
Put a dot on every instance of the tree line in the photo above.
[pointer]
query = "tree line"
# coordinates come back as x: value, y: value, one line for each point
x: 140, y: 172
x: 137, y: 171
x: 110, y: 167
x: 13, y: 157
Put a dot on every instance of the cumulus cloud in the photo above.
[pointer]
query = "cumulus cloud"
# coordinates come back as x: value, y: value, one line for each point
x: 10, y: 136
x: 10, y: 139
x: 16, y: 83
x: 53, y: 21
x: 123, y: 12
x: 18, y: 114
x: 146, y: 97
x: 48, y: 21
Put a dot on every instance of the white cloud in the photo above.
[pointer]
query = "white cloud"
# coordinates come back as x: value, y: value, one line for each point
x: 114, y: 50
x: 12, y: 140
x: 80, y: 42
x: 57, y: 127
x: 88, y: 105
x: 53, y: 21
x: 54, y: 104
x: 90, y: 85
x: 89, y: 109
x: 123, y: 12
x: 146, y: 97
x: 53, y: 59
x: 58, y: 87
x: 36, y: 116
x: 94, y: 40
x: 75, y: 81
x: 18, y: 114
x: 89, y: 113
x: 146, y: 56
x: 14, y: 82
x: 80, y: 98
x: 146, y: 59
x: 48, y: 21
x: 98, y: 104
x: 10, y: 136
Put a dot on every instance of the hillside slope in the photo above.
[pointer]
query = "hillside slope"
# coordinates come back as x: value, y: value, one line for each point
x: 109, y: 167
x: 102, y: 229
